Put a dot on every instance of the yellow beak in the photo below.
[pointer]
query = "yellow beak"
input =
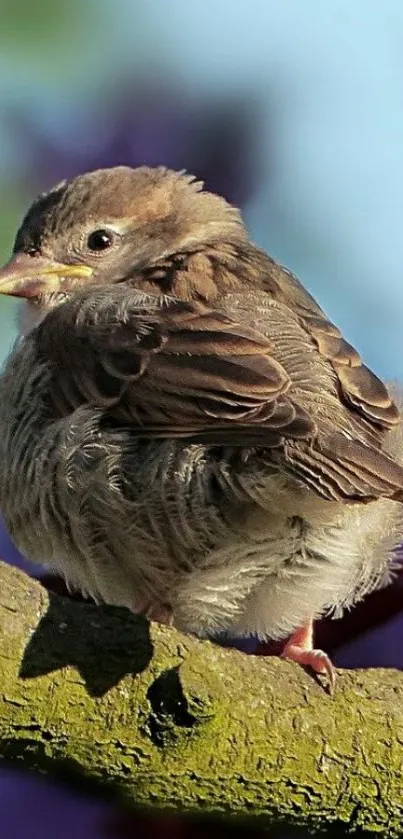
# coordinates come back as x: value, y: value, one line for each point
x: 27, y: 276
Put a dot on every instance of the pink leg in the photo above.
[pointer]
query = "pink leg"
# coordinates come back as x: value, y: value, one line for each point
x: 158, y: 612
x: 299, y: 648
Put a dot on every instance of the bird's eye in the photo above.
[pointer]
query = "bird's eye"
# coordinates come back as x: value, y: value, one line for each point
x: 100, y: 240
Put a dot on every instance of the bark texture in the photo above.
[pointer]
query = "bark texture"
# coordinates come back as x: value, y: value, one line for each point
x: 170, y: 721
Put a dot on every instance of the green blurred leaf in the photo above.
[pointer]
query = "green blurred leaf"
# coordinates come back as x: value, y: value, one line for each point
x: 13, y: 203
x: 31, y: 24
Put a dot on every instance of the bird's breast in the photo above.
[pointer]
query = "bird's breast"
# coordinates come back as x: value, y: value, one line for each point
x: 114, y: 514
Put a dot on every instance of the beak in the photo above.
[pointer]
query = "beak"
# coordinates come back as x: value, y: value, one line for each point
x: 28, y: 276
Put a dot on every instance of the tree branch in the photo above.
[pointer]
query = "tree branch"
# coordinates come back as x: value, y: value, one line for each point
x: 175, y: 722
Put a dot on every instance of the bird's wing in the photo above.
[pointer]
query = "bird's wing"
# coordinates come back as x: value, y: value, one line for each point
x: 182, y: 369
x: 359, y: 387
x: 230, y: 269
x: 350, y: 404
x: 179, y: 369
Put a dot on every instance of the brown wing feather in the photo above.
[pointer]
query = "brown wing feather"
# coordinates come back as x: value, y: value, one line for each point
x: 185, y: 369
x: 337, y: 391
x: 359, y: 387
x: 179, y: 370
x: 338, y: 468
x: 234, y: 267
x: 349, y: 463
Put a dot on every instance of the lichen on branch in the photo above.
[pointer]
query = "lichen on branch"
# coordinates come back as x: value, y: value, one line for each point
x: 173, y: 722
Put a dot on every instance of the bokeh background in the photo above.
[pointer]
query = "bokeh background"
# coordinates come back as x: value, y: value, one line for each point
x: 292, y: 110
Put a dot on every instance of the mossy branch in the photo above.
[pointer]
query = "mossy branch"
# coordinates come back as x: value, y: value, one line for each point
x: 174, y: 722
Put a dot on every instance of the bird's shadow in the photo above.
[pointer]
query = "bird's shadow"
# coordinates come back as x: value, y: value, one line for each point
x: 104, y: 644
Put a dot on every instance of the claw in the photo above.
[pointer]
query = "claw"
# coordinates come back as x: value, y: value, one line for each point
x: 299, y: 648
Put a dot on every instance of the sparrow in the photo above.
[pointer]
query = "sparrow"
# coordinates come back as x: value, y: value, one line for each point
x: 183, y: 432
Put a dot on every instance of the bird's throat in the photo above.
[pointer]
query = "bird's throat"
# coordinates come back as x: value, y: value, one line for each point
x: 33, y: 310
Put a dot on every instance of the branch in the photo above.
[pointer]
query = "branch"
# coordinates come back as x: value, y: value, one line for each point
x: 174, y: 722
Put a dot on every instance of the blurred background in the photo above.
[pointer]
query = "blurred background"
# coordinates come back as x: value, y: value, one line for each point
x: 292, y: 110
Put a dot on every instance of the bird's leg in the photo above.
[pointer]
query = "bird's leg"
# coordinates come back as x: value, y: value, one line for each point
x: 161, y: 613
x: 299, y: 648
x: 158, y: 612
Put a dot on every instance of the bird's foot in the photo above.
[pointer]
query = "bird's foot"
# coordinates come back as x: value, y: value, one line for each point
x: 299, y: 648
x: 158, y: 612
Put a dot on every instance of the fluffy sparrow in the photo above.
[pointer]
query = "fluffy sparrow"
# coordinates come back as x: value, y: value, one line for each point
x: 183, y: 430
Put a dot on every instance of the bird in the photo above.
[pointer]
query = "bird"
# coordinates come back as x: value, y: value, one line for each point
x: 183, y: 431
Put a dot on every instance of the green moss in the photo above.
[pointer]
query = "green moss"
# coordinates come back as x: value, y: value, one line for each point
x: 187, y: 724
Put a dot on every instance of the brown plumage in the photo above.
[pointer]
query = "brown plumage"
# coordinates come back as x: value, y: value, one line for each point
x: 181, y: 424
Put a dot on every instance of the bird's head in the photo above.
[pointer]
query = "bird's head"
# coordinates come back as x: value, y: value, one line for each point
x: 104, y: 226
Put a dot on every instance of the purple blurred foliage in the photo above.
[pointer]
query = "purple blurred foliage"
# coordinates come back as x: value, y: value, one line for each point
x: 146, y: 125
x: 379, y: 647
x: 36, y: 808
x: 10, y: 554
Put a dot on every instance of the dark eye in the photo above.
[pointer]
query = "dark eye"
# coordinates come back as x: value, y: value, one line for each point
x: 100, y: 240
